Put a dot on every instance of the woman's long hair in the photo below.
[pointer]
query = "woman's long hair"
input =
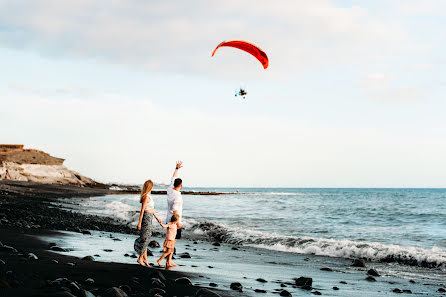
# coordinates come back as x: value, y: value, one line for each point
x: 146, y: 188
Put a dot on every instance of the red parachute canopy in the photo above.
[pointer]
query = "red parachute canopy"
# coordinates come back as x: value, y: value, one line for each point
x: 247, y: 47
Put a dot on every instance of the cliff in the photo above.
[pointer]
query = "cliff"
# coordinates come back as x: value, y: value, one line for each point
x: 31, y: 165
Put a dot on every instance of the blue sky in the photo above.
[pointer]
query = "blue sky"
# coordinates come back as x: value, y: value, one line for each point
x: 353, y: 97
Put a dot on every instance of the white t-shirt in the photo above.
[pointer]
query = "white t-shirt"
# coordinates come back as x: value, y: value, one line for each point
x: 174, y: 202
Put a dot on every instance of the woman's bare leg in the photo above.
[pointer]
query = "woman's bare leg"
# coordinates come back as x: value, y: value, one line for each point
x: 145, y: 258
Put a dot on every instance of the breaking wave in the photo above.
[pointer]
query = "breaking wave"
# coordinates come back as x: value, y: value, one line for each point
x: 372, y: 251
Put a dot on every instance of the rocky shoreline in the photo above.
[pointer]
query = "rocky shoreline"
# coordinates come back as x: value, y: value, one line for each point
x: 28, y: 267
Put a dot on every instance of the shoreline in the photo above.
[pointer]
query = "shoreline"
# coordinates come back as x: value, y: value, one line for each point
x: 31, y: 209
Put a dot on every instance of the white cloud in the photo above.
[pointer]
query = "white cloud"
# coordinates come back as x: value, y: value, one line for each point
x: 180, y: 36
x: 382, y: 87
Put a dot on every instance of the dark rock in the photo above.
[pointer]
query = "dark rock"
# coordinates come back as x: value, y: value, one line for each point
x: 261, y: 280
x: 126, y: 255
x: 74, y: 288
x: 335, y: 288
x: 57, y: 248
x: 114, y: 292
x: 213, y: 285
x: 304, y: 282
x: 157, y: 283
x: 97, y: 255
x: 373, y: 272
x: 441, y: 290
x: 86, y: 232
x: 407, y: 291
x: 216, y: 244
x: 412, y: 281
x: 370, y: 279
x: 326, y: 269
x: 236, y: 286
x: 259, y: 291
x: 185, y: 255
x: 117, y: 239
x: 184, y: 281
x: 285, y: 293
x: 205, y: 293
x: 316, y: 293
x: 158, y: 274
x: 396, y: 290
x: 31, y: 256
x: 343, y: 282
x: 108, y: 251
x: 159, y: 291
x: 55, y: 261
x: 126, y: 289
x: 283, y: 285
x: 88, y: 258
x: 358, y: 263
x: 133, y: 256
x: 71, y: 264
x: 154, y: 244
x: 51, y: 244
x: 60, y: 282
x: 89, y: 282
x: 149, y: 253
x: 234, y: 249
x: 210, y: 266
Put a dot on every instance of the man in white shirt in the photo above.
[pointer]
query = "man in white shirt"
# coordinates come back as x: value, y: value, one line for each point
x: 174, y: 198
x: 174, y: 203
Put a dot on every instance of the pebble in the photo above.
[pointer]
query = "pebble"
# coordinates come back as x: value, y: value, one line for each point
x: 304, y: 282
x: 261, y: 280
x: 213, y: 285
x: 335, y: 288
x: 316, y: 293
x: 108, y: 251
x: 216, y: 244
x: 259, y: 291
x: 326, y: 269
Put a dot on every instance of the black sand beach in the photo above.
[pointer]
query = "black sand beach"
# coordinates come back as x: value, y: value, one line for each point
x: 29, y: 267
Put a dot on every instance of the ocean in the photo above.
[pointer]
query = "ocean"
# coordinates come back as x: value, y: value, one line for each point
x: 403, y: 226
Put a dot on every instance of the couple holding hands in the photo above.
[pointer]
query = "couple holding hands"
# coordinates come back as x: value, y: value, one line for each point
x: 172, y: 221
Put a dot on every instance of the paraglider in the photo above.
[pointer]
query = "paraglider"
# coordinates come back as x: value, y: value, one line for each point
x: 250, y: 48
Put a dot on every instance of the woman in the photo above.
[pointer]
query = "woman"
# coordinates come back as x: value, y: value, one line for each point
x: 145, y: 223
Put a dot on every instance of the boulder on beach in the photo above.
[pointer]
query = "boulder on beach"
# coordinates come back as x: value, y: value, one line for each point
x: 114, y: 292
x: 88, y: 258
x: 206, y: 293
x: 358, y: 263
x: 154, y: 244
x: 285, y: 293
x: 236, y: 286
x: 304, y: 282
x: 184, y: 281
x: 157, y: 283
x: 89, y: 281
x: 373, y: 272
x: 57, y: 248
x: 185, y: 255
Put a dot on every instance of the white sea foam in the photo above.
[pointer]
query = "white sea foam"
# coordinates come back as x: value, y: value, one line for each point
x: 434, y: 257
